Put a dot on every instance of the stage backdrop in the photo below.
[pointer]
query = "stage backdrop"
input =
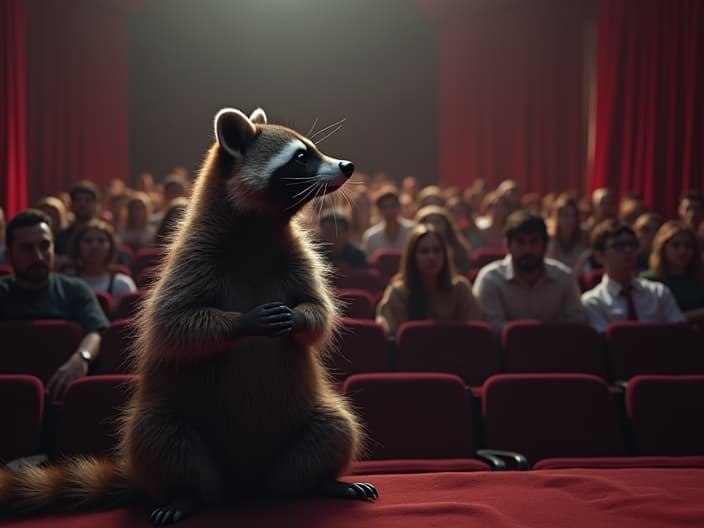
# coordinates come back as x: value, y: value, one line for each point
x: 650, y: 99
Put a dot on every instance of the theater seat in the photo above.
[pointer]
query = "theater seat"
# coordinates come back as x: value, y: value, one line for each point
x: 89, y: 418
x: 422, y: 417
x: 387, y: 262
x: 356, y: 304
x: 115, y: 348
x: 552, y: 415
x: 482, y: 256
x: 467, y: 349
x: 37, y: 347
x: 536, y: 346
x: 365, y: 279
x: 21, y: 410
x: 651, y: 348
x: 362, y: 346
x: 106, y: 302
x: 129, y: 305
x: 666, y: 414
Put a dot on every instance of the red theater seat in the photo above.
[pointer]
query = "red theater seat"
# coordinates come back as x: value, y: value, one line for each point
x: 591, y: 279
x: 37, y: 347
x: 387, y: 262
x: 106, y: 302
x: 667, y: 414
x: 418, y: 416
x: 90, y: 414
x: 357, y: 304
x: 362, y: 346
x: 147, y: 258
x: 21, y: 410
x: 651, y: 348
x: 551, y: 415
x: 115, y: 348
x: 483, y: 256
x: 368, y: 279
x: 466, y: 349
x: 129, y: 305
x: 535, y: 346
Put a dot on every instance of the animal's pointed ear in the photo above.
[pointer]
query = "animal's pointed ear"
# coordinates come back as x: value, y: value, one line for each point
x: 233, y: 130
x: 258, y: 117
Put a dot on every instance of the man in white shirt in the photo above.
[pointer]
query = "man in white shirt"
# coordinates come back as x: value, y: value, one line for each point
x: 393, y: 230
x: 620, y: 296
x: 526, y: 285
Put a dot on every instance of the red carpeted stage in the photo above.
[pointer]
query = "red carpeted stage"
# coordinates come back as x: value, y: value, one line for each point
x: 574, y: 498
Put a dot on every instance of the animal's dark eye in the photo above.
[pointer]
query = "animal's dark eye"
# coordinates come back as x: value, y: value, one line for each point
x: 300, y: 155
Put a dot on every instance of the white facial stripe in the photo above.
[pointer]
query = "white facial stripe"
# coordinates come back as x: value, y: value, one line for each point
x: 283, y: 156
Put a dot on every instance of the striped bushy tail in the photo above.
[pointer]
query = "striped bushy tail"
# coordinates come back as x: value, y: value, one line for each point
x: 79, y: 483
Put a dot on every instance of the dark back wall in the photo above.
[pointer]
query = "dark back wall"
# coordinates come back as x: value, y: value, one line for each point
x: 373, y: 63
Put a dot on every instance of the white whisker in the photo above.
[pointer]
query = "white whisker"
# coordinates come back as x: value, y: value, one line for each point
x: 322, y: 130
x: 312, y: 128
x: 319, y: 141
x: 310, y: 189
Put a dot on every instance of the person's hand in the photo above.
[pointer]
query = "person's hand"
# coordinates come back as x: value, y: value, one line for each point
x: 271, y: 319
x: 74, y: 368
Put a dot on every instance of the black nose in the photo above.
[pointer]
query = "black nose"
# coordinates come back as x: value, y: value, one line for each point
x: 347, y: 168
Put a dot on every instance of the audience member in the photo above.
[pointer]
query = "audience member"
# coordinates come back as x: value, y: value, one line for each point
x: 458, y: 247
x: 691, y: 210
x: 427, y: 286
x: 620, y: 296
x: 84, y: 205
x: 526, y: 285
x: 334, y: 232
x: 645, y: 228
x: 567, y: 240
x: 631, y: 208
x: 494, y: 211
x: 431, y: 195
x: 393, y: 230
x: 91, y: 251
x: 676, y: 261
x: 34, y: 292
x: 461, y: 212
x: 135, y: 229
x: 510, y: 191
x: 603, y: 207
x: 55, y: 210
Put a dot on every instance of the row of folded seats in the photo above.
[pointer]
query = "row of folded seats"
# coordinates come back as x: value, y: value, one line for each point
x: 419, y: 422
x: 469, y: 350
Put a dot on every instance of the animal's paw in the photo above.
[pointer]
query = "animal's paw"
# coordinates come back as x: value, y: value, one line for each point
x: 350, y: 490
x: 172, y: 513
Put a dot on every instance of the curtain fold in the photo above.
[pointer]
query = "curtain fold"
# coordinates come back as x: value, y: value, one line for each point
x: 77, y: 94
x: 650, y: 99
x: 511, y: 102
x: 13, y: 164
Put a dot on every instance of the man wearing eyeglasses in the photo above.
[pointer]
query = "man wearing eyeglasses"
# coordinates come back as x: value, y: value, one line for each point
x: 620, y: 296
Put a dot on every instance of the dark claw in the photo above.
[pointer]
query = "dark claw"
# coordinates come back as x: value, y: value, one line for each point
x: 171, y: 513
x: 346, y: 490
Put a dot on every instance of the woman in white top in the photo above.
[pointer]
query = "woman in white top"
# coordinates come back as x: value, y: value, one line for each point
x: 91, y: 251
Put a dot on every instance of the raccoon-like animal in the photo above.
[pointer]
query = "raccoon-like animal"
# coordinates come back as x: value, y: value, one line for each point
x: 232, y: 397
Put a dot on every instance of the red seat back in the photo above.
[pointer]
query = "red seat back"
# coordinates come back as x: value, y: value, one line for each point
x: 651, y: 348
x: 129, y: 305
x: 90, y: 414
x: 536, y: 346
x: 482, y: 256
x: 667, y: 414
x: 413, y: 415
x: 356, y: 304
x: 37, y: 347
x: 362, y: 347
x: 21, y: 410
x: 115, y: 348
x: 146, y: 258
x: 551, y: 415
x: 360, y: 279
x: 464, y: 348
x: 106, y: 302
x: 387, y: 262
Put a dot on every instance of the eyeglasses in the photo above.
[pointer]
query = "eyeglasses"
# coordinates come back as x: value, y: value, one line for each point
x: 623, y: 245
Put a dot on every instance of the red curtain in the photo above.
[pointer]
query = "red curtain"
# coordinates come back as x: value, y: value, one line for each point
x: 510, y: 89
x: 13, y: 165
x: 77, y: 93
x: 650, y: 99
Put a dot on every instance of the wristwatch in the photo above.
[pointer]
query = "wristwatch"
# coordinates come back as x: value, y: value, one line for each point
x: 86, y: 355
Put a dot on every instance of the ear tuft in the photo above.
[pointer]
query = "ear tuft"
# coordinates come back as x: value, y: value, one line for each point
x: 233, y: 130
x: 258, y: 117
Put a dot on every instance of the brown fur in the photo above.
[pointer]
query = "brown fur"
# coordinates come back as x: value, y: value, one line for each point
x: 213, y: 415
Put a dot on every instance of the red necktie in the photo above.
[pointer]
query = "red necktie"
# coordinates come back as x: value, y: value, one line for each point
x: 627, y: 292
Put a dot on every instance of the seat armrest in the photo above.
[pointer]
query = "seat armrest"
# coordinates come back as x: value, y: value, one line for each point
x: 495, y: 458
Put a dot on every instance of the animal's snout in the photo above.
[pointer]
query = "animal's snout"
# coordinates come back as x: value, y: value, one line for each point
x: 347, y: 168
